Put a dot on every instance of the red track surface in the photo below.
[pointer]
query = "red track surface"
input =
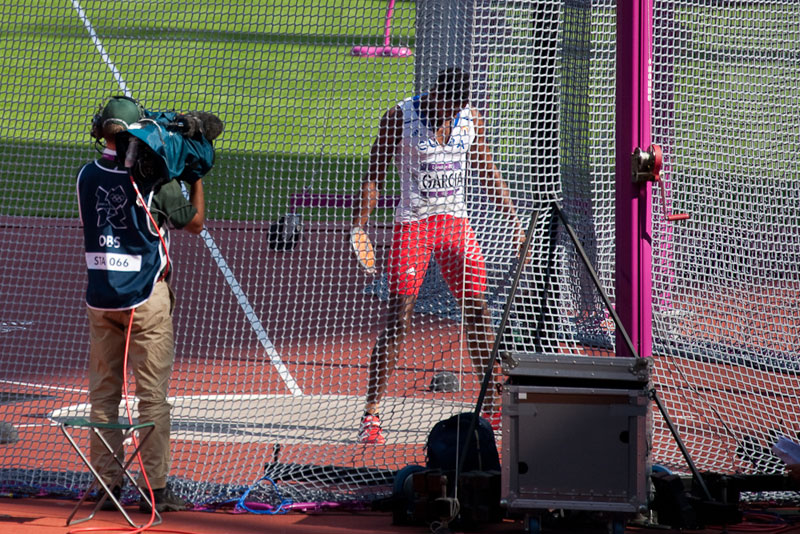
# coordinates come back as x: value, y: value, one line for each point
x: 48, y: 516
x: 308, y: 337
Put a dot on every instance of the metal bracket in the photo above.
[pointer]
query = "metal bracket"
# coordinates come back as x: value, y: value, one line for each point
x: 641, y: 368
x: 646, y: 164
x: 646, y: 167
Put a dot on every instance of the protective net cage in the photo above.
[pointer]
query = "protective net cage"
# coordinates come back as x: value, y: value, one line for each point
x: 275, y: 320
x: 724, y: 109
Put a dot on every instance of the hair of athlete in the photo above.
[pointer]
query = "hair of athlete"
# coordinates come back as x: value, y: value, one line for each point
x: 452, y: 86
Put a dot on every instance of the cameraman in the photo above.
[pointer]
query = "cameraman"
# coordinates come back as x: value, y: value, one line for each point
x: 129, y: 297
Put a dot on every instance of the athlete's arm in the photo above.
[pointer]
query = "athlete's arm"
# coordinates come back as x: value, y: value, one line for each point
x: 197, y: 199
x: 380, y: 157
x: 482, y: 161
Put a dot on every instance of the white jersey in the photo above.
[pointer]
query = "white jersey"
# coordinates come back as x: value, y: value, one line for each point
x: 433, y: 175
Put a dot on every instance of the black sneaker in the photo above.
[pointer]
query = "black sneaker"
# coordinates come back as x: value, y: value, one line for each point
x: 165, y: 500
x: 108, y: 505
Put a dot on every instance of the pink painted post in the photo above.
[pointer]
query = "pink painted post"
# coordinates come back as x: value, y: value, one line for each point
x: 633, y: 206
x: 645, y: 191
x: 387, y: 50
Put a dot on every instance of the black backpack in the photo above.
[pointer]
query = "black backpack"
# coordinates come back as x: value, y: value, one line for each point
x: 446, y: 444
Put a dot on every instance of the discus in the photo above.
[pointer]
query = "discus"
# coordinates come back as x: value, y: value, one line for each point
x: 363, y: 249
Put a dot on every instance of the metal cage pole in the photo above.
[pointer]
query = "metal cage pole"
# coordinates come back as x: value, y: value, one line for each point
x: 633, y: 207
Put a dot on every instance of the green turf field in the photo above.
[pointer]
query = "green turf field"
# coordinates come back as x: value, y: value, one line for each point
x: 299, y: 109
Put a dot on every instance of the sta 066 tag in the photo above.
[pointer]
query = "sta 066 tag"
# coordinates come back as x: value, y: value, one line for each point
x: 110, y: 261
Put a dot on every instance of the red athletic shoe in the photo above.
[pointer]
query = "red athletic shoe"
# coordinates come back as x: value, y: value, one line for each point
x: 370, y: 430
x: 495, y: 419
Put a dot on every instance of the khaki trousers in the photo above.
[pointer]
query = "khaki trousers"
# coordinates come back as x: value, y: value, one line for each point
x: 150, y: 357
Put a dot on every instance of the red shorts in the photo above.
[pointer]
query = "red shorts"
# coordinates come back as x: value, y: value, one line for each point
x: 451, y: 241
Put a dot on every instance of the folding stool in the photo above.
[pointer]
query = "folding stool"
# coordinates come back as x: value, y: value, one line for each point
x: 118, y: 456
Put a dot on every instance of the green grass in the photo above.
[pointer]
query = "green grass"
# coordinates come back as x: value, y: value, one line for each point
x: 39, y: 181
x: 299, y: 110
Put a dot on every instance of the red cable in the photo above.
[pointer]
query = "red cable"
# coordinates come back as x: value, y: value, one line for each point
x: 762, y: 522
x: 153, y: 222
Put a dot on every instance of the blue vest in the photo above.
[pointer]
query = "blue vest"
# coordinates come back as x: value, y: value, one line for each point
x: 124, y: 254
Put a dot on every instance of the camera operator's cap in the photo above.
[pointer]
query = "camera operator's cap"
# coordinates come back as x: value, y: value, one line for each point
x: 121, y: 110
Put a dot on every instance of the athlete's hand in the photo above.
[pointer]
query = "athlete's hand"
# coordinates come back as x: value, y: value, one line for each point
x: 519, y: 235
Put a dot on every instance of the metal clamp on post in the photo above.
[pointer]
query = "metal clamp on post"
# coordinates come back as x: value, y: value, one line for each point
x: 646, y: 167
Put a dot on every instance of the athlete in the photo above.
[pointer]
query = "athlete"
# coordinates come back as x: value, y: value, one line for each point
x: 128, y: 294
x: 436, y: 140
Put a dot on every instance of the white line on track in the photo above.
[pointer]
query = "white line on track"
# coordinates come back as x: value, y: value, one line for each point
x: 255, y: 323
